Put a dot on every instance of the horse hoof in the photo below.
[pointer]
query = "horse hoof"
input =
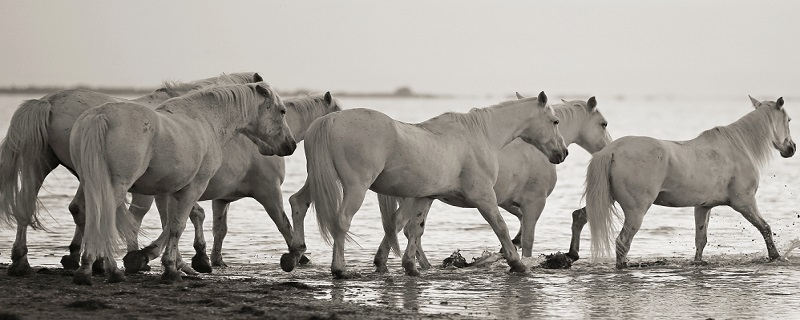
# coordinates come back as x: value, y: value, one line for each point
x: 134, y: 262
x: 340, y: 274
x: 517, y: 267
x: 70, y: 263
x: 776, y: 258
x: 304, y: 260
x: 699, y: 263
x: 381, y: 268
x: 288, y: 262
x: 116, y: 276
x: 424, y: 265
x: 412, y: 273
x: 19, y: 269
x: 219, y: 264
x: 97, y: 267
x: 622, y: 265
x: 170, y: 277
x: 81, y: 278
x: 201, y: 264
x: 573, y: 255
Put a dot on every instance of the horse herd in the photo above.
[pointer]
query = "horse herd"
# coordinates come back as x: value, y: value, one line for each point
x: 222, y: 139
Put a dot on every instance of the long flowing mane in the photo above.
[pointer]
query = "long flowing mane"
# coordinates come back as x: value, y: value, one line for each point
x: 233, y: 78
x: 476, y: 119
x: 750, y: 134
x: 240, y: 96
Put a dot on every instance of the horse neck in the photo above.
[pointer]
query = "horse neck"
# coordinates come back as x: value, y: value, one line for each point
x: 300, y: 115
x: 751, y: 134
x: 506, y: 123
x: 571, y: 121
x: 224, y: 120
x: 154, y: 98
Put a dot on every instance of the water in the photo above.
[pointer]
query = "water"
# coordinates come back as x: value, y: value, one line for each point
x: 735, y: 284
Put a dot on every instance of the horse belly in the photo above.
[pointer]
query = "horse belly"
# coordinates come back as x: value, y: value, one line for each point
x: 695, y: 178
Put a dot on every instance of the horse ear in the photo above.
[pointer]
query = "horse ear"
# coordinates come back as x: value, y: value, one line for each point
x: 328, y: 98
x: 779, y: 103
x: 592, y: 103
x: 262, y: 91
x: 754, y: 101
x: 542, y: 98
x: 257, y: 77
x: 519, y: 96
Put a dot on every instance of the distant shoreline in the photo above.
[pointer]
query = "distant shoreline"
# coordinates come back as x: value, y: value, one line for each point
x: 400, y: 93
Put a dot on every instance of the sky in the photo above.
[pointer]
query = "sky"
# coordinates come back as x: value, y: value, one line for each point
x: 676, y: 48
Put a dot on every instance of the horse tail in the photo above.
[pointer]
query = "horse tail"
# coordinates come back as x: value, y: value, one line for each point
x: 21, y: 155
x: 326, y: 186
x: 600, y: 203
x: 389, y: 215
x: 108, y: 224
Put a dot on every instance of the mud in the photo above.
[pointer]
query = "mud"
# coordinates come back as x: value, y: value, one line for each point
x: 49, y: 293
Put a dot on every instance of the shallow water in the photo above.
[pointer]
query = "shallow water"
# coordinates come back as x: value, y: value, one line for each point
x: 735, y: 284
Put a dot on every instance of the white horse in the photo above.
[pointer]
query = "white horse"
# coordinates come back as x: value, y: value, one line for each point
x: 174, y: 150
x: 524, y: 181
x: 38, y: 141
x: 244, y: 173
x: 719, y: 167
x: 454, y: 154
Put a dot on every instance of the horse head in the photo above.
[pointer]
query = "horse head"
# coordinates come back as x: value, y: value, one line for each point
x: 781, y: 137
x: 542, y: 131
x: 269, y: 130
x: 592, y: 135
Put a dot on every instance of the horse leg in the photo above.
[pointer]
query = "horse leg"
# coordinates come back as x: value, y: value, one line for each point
x: 578, y: 222
x: 299, y: 202
x: 135, y: 261
x: 72, y: 261
x: 633, y: 221
x: 140, y: 205
x: 701, y: 217
x: 200, y: 261
x: 24, y: 211
x: 269, y: 196
x: 517, y: 212
x: 83, y: 276
x: 531, y: 208
x: 382, y: 255
x: 220, y: 229
x: 486, y: 202
x: 352, y: 199
x: 418, y: 212
x: 179, y: 209
x: 749, y: 210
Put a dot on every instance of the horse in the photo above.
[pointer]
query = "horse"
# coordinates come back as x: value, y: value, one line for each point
x: 37, y: 142
x: 244, y: 173
x: 524, y: 181
x: 354, y: 150
x: 175, y: 150
x: 719, y: 167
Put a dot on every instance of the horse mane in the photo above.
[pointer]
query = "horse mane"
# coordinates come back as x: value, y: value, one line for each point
x: 750, y: 134
x: 570, y: 111
x: 305, y: 106
x: 238, y: 95
x: 172, y: 87
x: 475, y: 120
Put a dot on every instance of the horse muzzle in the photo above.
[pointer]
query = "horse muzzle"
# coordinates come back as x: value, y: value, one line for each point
x: 788, y: 152
x: 287, y: 148
x: 559, y: 157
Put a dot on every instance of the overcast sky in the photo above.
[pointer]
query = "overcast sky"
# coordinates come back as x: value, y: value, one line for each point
x: 459, y: 47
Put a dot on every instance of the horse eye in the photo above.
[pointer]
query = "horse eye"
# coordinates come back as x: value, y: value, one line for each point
x: 604, y: 124
x: 555, y: 122
x: 283, y: 111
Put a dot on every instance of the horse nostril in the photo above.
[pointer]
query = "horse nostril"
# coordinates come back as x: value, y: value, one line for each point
x: 566, y: 153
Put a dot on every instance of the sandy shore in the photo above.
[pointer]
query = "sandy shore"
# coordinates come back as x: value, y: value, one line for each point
x: 49, y: 293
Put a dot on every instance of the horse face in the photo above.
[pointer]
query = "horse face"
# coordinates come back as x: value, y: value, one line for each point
x: 270, y: 126
x: 593, y: 135
x: 542, y: 132
x: 782, y: 137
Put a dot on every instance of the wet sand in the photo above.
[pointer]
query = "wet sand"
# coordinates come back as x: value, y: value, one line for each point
x: 48, y: 293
